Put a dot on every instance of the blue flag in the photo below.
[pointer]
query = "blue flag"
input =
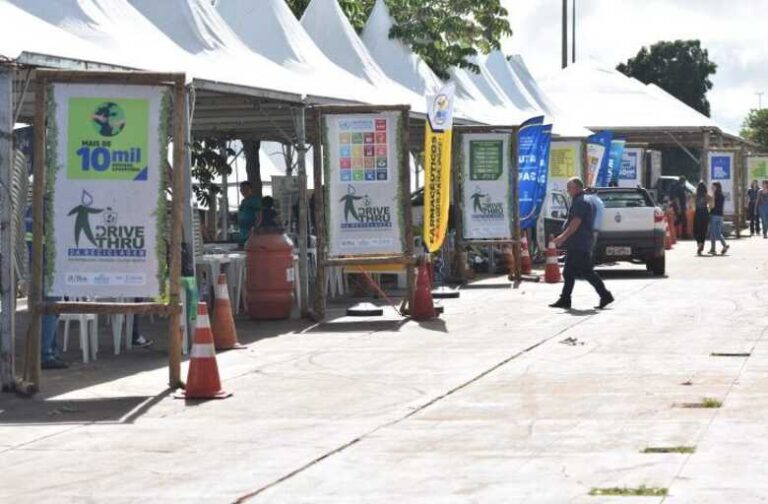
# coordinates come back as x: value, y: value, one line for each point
x: 614, y: 161
x: 598, y: 147
x: 545, y: 141
x: 528, y: 141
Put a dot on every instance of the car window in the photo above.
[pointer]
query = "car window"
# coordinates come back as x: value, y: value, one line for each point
x: 623, y: 199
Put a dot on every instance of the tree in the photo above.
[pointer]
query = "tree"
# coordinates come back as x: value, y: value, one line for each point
x: 682, y: 68
x: 445, y: 33
x: 755, y: 127
x: 210, y: 159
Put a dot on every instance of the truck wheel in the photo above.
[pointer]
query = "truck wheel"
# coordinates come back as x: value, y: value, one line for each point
x: 657, y: 266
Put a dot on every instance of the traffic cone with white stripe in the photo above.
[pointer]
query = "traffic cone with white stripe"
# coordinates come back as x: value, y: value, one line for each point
x: 223, y: 324
x: 667, y: 235
x: 552, y: 268
x: 203, y: 378
x: 526, y: 266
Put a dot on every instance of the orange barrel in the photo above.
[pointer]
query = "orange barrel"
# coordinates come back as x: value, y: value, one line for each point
x: 270, y: 275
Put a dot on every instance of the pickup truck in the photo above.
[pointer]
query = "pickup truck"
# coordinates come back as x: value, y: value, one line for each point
x: 632, y: 228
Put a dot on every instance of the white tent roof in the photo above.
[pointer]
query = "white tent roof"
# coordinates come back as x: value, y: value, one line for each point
x: 330, y: 29
x: 600, y: 97
x: 25, y: 33
x: 271, y: 29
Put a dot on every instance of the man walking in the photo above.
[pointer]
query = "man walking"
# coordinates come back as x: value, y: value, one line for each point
x: 577, y: 239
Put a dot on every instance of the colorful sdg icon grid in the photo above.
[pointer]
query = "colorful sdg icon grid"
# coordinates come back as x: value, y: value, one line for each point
x: 363, y: 154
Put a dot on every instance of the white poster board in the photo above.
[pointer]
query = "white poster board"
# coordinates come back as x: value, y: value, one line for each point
x: 721, y: 169
x: 565, y: 161
x: 630, y: 171
x: 362, y: 173
x: 106, y: 202
x: 485, y: 184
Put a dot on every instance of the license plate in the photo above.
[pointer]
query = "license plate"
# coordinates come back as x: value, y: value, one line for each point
x: 618, y: 251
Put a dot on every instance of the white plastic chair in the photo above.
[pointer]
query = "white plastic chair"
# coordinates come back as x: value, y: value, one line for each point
x: 89, y: 333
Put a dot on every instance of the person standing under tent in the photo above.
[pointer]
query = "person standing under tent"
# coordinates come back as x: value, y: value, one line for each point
x: 701, y: 217
x: 577, y: 239
x: 752, y: 212
x: 762, y: 207
x: 248, y: 212
x: 716, y: 219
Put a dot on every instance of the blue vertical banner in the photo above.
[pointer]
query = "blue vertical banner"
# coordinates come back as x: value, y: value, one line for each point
x: 528, y: 139
x: 545, y: 141
x: 598, y: 147
x: 614, y: 161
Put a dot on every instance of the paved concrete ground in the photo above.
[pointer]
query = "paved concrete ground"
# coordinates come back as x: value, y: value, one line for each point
x: 504, y: 401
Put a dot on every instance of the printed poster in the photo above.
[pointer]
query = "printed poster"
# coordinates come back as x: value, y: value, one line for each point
x: 564, y: 164
x: 630, y: 173
x: 485, y: 183
x: 362, y: 172
x: 598, y: 146
x: 106, y: 192
x: 721, y: 170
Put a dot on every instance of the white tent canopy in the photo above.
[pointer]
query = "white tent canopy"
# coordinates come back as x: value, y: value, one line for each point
x: 270, y: 29
x: 603, y: 98
x: 330, y: 29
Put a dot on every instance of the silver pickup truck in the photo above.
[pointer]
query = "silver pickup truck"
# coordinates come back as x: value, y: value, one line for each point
x: 632, y: 228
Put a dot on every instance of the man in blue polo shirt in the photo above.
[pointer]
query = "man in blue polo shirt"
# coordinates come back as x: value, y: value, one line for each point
x: 577, y: 238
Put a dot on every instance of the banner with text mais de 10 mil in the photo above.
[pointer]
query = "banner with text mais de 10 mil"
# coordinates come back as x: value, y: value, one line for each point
x: 721, y: 170
x: 362, y: 173
x: 485, y: 186
x: 437, y: 166
x: 105, y: 196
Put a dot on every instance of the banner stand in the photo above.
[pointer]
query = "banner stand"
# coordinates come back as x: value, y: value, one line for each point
x: 29, y: 383
x: 462, y: 244
x: 322, y: 211
x: 735, y: 182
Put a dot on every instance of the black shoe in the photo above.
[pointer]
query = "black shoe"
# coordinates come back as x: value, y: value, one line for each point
x: 562, y: 303
x: 54, y: 364
x: 605, y: 301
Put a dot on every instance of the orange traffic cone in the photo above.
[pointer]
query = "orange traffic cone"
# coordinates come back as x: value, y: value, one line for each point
x: 423, y: 306
x: 552, y: 268
x: 203, y: 378
x: 667, y: 235
x: 526, y: 266
x: 223, y: 324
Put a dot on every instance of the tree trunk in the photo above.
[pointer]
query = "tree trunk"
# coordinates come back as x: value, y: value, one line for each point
x: 253, y: 165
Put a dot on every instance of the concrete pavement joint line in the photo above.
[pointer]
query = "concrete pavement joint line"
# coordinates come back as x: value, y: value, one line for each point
x: 715, y: 413
x: 419, y: 409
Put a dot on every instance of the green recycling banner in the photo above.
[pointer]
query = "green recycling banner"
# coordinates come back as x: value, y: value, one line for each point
x: 105, y: 226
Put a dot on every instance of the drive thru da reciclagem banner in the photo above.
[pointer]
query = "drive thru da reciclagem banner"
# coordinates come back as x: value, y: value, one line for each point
x: 105, y: 206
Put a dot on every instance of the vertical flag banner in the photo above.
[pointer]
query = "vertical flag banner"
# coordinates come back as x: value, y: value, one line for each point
x: 614, y: 161
x: 757, y: 168
x: 105, y: 215
x: 564, y: 164
x: 721, y: 170
x: 598, y: 146
x: 630, y: 172
x: 528, y: 150
x: 363, y: 184
x: 485, y: 186
x: 437, y: 166
x: 543, y: 174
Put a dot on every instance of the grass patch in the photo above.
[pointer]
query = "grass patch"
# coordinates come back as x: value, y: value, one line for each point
x: 641, y: 491
x: 706, y: 403
x: 669, y: 449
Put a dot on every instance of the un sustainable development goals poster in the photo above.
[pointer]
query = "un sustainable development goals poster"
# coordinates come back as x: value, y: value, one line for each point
x: 362, y: 160
x: 106, y: 206
x: 485, y: 183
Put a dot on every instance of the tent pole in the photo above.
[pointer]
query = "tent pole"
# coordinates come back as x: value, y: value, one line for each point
x: 7, y: 241
x: 301, y: 149
x: 704, y: 156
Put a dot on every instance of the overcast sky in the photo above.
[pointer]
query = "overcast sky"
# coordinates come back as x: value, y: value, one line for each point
x: 611, y: 31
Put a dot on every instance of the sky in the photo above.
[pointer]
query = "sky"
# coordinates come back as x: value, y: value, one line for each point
x: 611, y: 31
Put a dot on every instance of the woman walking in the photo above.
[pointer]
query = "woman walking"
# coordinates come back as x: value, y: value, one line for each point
x: 762, y: 207
x: 752, y: 213
x: 716, y: 219
x: 701, y: 217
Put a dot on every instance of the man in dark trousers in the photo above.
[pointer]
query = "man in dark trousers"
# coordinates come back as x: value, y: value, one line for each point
x: 577, y: 239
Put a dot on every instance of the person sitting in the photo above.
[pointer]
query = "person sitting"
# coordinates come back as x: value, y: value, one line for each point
x: 249, y: 210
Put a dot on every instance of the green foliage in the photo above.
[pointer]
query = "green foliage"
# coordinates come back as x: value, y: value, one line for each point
x: 755, y: 127
x: 682, y: 68
x: 445, y: 33
x: 209, y: 160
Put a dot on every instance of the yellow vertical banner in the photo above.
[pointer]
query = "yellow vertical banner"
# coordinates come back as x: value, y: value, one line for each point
x: 437, y: 167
